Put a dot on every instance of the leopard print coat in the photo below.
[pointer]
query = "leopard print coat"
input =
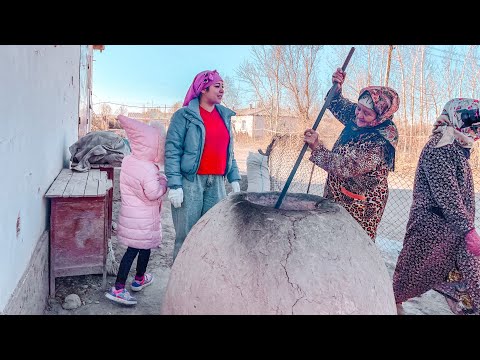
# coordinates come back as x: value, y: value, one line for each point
x: 355, y: 168
x: 434, y: 254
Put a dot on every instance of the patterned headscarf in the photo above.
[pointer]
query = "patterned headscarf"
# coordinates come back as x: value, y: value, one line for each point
x: 385, y: 101
x: 366, y: 100
x: 201, y: 81
x: 450, y: 123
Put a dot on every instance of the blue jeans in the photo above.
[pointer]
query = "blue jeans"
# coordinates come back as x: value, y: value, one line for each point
x: 198, y: 197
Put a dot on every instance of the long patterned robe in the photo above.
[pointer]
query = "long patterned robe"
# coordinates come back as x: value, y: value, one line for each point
x: 434, y: 254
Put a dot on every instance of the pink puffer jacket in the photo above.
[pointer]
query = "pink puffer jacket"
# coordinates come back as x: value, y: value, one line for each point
x: 141, y: 186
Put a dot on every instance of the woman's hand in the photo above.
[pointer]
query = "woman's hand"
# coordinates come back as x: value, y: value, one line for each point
x: 310, y: 136
x: 338, y: 77
x: 473, y: 242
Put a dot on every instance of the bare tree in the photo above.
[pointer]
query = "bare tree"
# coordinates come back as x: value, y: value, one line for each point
x: 105, y: 110
x: 403, y: 100
x: 450, y: 73
x: 282, y: 76
x: 260, y: 75
x: 123, y: 110
x: 231, y: 97
x: 474, y: 73
x: 105, y: 113
x: 462, y: 72
x: 422, y: 83
x: 176, y: 106
x: 298, y: 74
x: 389, y: 60
x: 424, y: 76
x: 153, y: 113
x: 435, y: 95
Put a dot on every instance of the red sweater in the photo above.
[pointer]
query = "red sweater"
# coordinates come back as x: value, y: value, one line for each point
x: 214, y: 156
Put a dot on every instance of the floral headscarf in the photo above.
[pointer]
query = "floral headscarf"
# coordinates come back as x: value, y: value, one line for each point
x: 385, y: 102
x: 450, y: 123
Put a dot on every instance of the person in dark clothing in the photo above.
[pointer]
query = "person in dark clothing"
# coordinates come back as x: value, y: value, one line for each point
x: 441, y: 246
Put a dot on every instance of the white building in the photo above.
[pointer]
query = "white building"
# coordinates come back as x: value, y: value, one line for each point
x: 257, y: 122
x: 45, y: 97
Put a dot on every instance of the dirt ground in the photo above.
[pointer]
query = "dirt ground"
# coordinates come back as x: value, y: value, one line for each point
x: 94, y: 302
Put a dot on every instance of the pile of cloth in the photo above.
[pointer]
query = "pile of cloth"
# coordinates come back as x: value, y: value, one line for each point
x: 98, y: 147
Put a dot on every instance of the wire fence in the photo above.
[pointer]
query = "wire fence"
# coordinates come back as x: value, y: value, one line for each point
x: 310, y: 178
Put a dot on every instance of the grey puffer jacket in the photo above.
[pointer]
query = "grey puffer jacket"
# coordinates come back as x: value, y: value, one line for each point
x: 185, y: 142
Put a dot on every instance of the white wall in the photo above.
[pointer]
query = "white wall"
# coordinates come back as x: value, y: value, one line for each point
x: 39, y: 108
x: 258, y: 127
x: 237, y: 121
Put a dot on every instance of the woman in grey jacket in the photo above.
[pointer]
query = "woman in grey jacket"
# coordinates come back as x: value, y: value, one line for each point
x: 199, y: 154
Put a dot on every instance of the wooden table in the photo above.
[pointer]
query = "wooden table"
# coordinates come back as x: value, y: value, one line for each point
x: 79, y: 222
x: 110, y: 169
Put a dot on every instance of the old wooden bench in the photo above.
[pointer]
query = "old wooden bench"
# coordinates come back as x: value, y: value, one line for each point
x: 110, y: 169
x: 79, y: 220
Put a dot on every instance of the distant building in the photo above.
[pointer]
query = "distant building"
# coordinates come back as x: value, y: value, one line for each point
x: 146, y: 117
x: 258, y: 122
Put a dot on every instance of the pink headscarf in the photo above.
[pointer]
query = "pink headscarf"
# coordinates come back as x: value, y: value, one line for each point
x: 201, y: 81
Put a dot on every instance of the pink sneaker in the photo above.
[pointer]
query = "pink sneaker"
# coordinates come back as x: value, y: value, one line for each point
x: 139, y: 285
x: 121, y: 296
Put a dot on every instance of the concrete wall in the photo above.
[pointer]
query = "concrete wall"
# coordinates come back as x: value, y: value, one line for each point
x: 31, y: 294
x: 39, y: 89
x: 85, y: 89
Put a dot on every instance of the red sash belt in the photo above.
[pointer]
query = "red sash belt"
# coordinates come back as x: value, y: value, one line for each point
x: 352, y: 195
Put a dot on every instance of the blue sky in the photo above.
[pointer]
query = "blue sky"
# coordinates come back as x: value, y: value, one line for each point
x: 159, y: 74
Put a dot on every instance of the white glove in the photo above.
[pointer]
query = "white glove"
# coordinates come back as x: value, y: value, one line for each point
x: 235, y: 187
x: 176, y: 197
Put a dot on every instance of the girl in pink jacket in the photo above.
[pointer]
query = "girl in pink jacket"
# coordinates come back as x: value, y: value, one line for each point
x: 141, y: 188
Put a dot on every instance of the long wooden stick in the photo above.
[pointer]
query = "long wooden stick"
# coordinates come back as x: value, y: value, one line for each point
x: 305, y: 146
x: 310, y: 181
